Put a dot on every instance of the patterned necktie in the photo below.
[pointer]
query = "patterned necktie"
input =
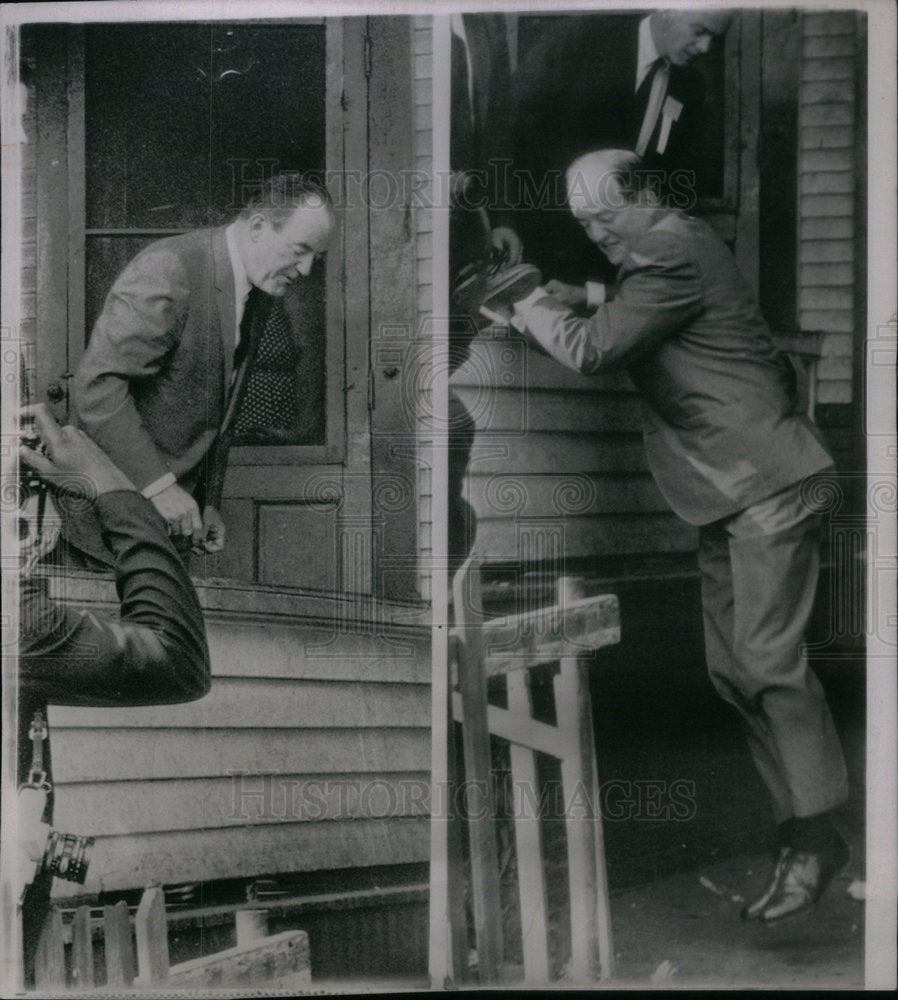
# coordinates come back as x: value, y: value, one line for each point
x: 269, y: 403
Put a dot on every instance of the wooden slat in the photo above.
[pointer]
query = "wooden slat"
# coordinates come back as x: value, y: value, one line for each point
x: 527, y: 494
x: 478, y: 772
x: 82, y: 950
x: 126, y: 862
x: 515, y: 412
x: 528, y: 844
x: 49, y: 959
x: 247, y: 651
x: 52, y: 212
x: 249, y: 965
x: 547, y: 634
x: 142, y: 807
x: 394, y: 277
x: 262, y: 704
x: 591, y: 942
x: 522, y: 732
x: 118, y: 945
x: 108, y: 754
x: 501, y: 359
x: 609, y: 534
x: 559, y: 452
x: 151, y: 932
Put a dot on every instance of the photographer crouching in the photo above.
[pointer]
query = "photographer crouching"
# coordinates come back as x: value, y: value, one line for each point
x: 155, y: 654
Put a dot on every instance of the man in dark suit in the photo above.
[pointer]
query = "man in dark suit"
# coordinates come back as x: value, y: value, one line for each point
x: 730, y: 454
x: 152, y: 386
x: 604, y: 80
x: 155, y: 654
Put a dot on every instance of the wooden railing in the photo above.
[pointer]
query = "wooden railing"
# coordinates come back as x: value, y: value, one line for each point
x: 135, y: 952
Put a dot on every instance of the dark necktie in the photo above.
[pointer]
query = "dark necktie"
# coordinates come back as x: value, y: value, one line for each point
x: 648, y: 114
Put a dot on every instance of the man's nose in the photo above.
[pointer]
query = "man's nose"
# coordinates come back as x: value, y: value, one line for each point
x: 304, y: 267
x: 703, y: 44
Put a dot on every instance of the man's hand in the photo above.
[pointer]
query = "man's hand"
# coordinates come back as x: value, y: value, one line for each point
x: 180, y: 512
x: 507, y: 240
x: 69, y: 459
x: 213, y: 532
x: 571, y: 295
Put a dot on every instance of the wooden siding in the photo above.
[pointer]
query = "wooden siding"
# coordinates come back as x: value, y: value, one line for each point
x: 558, y: 454
x: 827, y: 207
x: 312, y: 750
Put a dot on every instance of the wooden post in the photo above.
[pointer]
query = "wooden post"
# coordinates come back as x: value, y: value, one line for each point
x: 118, y: 945
x: 478, y: 772
x: 82, y: 950
x: 528, y: 841
x: 151, y: 930
x: 458, y: 920
x: 591, y: 943
x: 49, y: 959
x: 251, y: 925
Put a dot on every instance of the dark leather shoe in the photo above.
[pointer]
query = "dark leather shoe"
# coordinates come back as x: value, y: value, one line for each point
x: 799, y: 879
x: 510, y: 285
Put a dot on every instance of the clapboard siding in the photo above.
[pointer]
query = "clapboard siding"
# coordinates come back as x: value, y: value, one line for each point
x: 206, y: 804
x: 211, y: 752
x: 827, y: 194
x: 326, y: 702
x: 249, y: 850
x: 558, y: 468
x: 531, y: 540
x: 271, y: 702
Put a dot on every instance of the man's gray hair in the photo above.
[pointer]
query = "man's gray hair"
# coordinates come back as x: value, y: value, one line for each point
x: 280, y: 196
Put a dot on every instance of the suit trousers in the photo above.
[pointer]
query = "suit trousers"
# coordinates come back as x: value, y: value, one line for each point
x: 759, y: 571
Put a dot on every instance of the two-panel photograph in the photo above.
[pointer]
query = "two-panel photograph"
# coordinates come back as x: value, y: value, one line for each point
x: 448, y: 496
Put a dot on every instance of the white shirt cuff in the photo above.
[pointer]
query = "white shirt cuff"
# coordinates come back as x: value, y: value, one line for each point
x: 595, y: 294
x: 162, y: 483
x: 519, y: 320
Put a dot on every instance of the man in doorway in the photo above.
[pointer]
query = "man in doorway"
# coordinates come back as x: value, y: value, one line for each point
x: 730, y: 453
x: 178, y: 336
x: 606, y: 81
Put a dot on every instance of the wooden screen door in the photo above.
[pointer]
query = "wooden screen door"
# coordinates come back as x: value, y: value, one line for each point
x: 146, y: 130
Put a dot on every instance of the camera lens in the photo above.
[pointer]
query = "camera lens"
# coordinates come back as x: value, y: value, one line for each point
x: 66, y: 856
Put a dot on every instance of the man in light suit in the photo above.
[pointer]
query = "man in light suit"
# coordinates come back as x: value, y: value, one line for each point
x: 595, y: 81
x: 153, y: 384
x: 730, y: 454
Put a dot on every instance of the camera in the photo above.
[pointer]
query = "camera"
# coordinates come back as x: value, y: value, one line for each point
x: 64, y: 855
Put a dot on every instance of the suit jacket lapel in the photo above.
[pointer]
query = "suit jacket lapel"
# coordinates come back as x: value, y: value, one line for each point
x: 223, y: 276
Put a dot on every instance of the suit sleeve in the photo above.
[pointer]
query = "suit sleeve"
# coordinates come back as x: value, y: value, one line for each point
x: 659, y: 293
x: 155, y: 654
x: 140, y: 325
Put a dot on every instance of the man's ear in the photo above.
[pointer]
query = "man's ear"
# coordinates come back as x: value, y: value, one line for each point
x: 256, y: 226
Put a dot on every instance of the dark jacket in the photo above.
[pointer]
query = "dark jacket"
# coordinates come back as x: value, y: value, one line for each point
x: 573, y: 92
x: 155, y: 654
